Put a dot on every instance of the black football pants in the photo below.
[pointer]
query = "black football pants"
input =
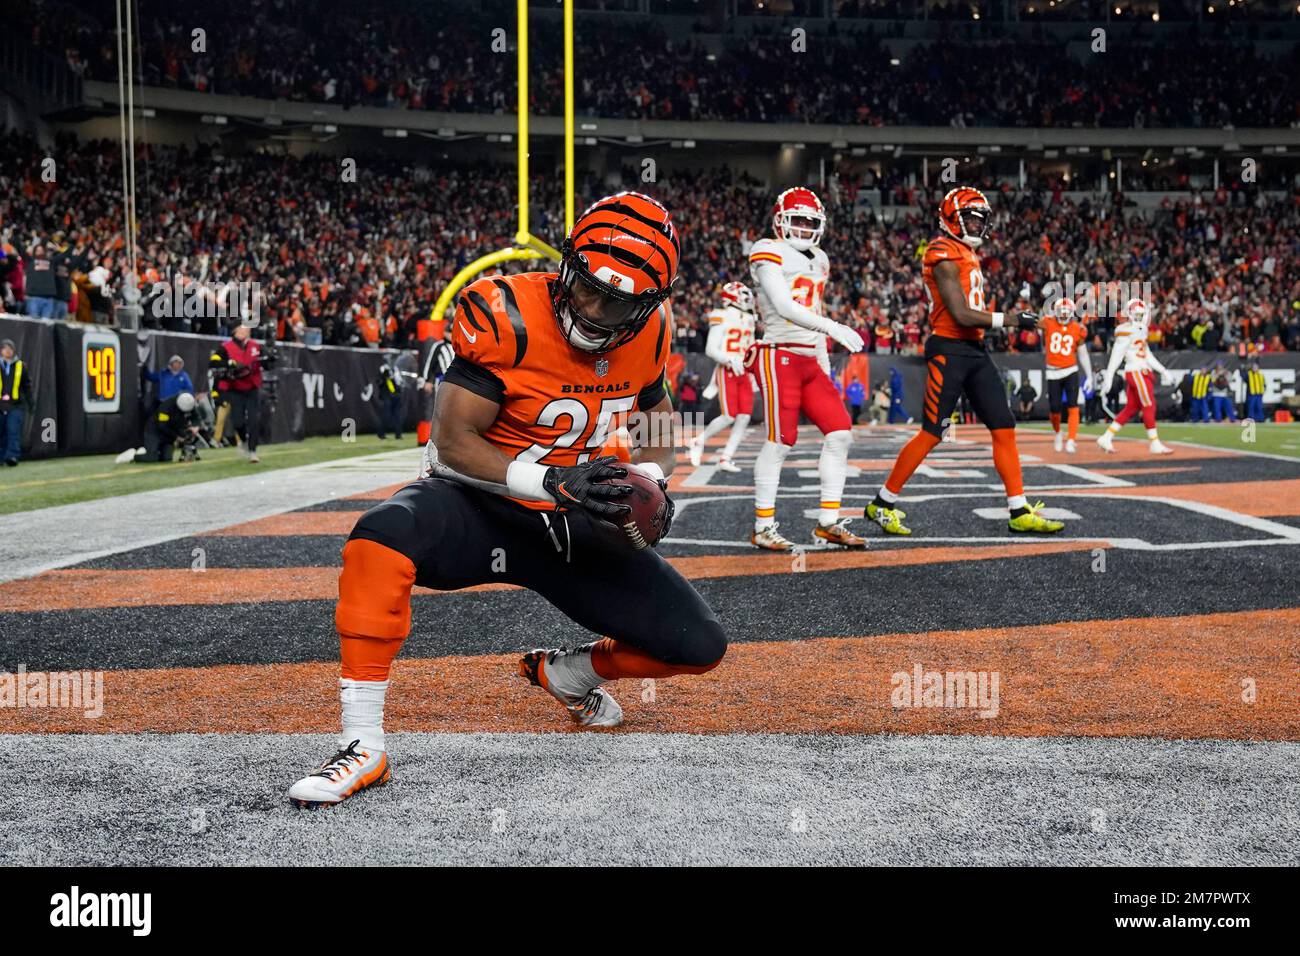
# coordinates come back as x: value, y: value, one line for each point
x: 458, y: 537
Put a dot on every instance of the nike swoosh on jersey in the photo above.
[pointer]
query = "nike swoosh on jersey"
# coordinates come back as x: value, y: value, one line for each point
x: 468, y: 334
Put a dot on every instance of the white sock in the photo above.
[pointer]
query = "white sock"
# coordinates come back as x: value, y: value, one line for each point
x: 1017, y: 501
x: 887, y: 496
x: 1112, y: 429
x: 737, y: 436
x: 715, y: 426
x: 1153, y: 434
x: 832, y: 469
x: 767, y: 478
x: 362, y: 702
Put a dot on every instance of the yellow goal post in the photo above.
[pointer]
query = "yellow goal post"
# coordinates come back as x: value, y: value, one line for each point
x: 526, y: 245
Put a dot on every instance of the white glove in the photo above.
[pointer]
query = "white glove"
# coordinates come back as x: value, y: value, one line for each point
x: 736, y: 365
x: 845, y: 336
x: 1168, y: 378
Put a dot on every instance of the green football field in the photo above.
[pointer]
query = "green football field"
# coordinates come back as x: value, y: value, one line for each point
x: 61, y: 481
x: 1267, y: 437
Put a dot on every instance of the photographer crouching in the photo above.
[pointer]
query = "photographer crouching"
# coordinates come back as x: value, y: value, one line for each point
x: 240, y: 385
x: 173, y: 424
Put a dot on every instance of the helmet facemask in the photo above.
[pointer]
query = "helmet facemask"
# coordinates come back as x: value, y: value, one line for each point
x: 595, y: 312
x: 974, y: 222
x: 801, y: 228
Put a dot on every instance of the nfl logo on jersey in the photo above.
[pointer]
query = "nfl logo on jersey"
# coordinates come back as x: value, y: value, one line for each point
x: 602, y: 367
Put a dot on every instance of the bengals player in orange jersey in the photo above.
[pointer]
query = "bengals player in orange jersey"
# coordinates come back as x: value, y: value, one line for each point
x: 544, y: 362
x: 1065, y: 343
x: 957, y: 364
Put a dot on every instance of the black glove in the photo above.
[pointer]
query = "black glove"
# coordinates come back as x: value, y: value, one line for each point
x: 578, y: 486
x: 672, y: 509
x: 1027, y: 320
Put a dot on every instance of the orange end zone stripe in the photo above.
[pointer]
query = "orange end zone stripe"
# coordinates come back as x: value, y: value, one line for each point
x: 1173, y: 678
x: 293, y: 523
x: 1260, y: 499
x: 82, y: 589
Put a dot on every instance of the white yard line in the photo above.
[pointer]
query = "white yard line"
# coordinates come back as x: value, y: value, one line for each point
x: 36, y: 541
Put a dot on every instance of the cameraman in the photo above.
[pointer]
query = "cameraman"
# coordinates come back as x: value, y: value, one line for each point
x: 173, y: 422
x: 241, y: 386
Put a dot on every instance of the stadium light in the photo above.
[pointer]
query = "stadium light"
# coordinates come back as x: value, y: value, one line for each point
x: 395, y: 133
x: 212, y: 119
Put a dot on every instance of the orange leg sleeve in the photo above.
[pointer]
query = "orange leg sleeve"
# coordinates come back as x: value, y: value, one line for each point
x: 909, y: 459
x: 1074, y: 422
x: 1007, y: 460
x: 1056, y: 420
x: 612, y: 660
x: 373, y: 615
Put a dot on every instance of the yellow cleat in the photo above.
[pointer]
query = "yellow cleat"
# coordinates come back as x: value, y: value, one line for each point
x: 1031, y: 522
x: 891, y: 519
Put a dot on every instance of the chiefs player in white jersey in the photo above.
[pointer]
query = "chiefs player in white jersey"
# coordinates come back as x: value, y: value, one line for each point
x: 790, y: 272
x: 731, y: 333
x: 1130, y: 348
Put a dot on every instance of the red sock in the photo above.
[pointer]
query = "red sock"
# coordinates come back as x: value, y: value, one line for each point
x: 1056, y: 421
x: 1007, y: 460
x: 611, y: 660
x: 909, y: 459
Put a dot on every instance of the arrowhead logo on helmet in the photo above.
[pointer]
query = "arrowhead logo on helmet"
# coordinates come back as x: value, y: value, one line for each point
x: 1137, y: 311
x: 965, y: 214
x: 737, y: 295
x: 799, y: 218
x: 617, y: 265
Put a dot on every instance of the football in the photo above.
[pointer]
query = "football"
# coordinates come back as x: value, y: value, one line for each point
x: 644, y: 526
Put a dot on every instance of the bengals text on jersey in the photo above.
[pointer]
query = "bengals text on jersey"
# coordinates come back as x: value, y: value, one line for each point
x: 559, y: 404
x: 947, y: 249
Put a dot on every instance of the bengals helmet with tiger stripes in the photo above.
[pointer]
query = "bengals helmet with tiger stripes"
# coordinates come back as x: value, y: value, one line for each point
x: 963, y: 208
x: 618, y: 265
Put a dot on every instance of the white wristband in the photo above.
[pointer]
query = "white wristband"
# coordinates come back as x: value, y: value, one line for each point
x: 525, y: 479
x: 652, y: 469
x: 998, y: 319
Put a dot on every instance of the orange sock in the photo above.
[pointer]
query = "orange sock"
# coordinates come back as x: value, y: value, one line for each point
x: 1074, y: 422
x: 909, y: 459
x: 1056, y: 420
x: 1007, y: 460
x: 612, y: 660
x: 373, y: 615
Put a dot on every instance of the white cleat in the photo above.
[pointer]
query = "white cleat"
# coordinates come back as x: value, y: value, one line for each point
x: 1107, y: 442
x: 1058, y: 442
x: 348, y: 772
x: 696, y: 451
x: 1160, y: 448
x: 595, y: 707
x: 729, y: 466
x: 1070, y: 446
x: 770, y: 539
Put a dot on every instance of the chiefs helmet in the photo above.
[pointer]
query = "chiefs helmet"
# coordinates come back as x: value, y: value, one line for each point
x: 617, y: 266
x: 1137, y: 312
x: 799, y: 218
x: 1065, y: 309
x: 965, y: 215
x: 737, y: 294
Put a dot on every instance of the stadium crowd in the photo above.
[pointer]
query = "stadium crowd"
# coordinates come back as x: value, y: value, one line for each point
x: 390, y: 55
x: 361, y: 262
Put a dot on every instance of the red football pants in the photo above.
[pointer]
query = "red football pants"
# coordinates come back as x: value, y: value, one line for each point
x: 792, y: 382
